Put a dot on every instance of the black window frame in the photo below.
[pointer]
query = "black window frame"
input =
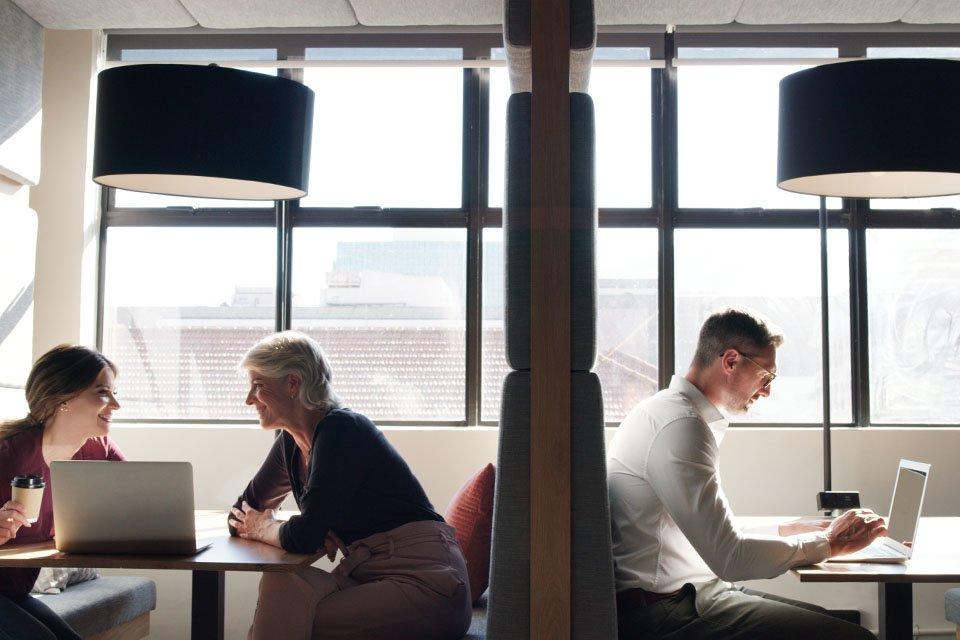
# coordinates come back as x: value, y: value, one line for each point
x: 475, y: 214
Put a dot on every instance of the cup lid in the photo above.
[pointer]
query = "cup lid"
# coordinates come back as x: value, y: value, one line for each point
x: 27, y: 482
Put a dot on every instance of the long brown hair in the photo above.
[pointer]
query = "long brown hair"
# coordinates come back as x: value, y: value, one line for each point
x: 57, y: 376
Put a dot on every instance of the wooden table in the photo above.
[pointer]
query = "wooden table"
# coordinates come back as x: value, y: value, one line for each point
x: 936, y: 558
x: 208, y: 566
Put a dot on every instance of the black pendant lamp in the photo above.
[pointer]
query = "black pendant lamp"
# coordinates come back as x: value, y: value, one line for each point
x: 885, y: 128
x: 207, y: 131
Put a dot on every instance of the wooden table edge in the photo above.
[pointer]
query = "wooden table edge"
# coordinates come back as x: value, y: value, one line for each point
x: 813, y: 573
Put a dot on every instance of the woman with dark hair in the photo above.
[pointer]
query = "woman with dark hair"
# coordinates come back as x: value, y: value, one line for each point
x: 71, y: 395
x: 403, y: 576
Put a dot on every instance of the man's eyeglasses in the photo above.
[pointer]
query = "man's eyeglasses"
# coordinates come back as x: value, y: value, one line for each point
x: 770, y: 375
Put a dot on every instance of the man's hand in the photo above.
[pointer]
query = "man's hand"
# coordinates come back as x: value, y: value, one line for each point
x: 12, y: 517
x: 255, y: 525
x: 854, y: 530
x: 808, y: 525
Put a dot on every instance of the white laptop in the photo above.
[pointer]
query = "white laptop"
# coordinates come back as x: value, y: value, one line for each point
x: 124, y: 507
x: 905, y: 508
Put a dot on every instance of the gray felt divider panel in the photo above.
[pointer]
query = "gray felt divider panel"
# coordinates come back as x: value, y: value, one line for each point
x: 21, y: 68
x: 593, y: 606
x: 517, y: 43
x: 516, y: 221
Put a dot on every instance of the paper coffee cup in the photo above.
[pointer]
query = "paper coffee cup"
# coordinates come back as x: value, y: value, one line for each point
x: 28, y: 491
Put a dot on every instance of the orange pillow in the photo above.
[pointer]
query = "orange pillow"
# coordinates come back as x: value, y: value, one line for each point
x: 471, y: 514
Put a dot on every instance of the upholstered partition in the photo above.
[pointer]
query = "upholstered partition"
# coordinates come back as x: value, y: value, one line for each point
x: 516, y: 222
x: 593, y: 609
x: 593, y: 606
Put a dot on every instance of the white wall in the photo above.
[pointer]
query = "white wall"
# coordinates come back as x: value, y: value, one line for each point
x: 765, y: 471
x: 65, y: 197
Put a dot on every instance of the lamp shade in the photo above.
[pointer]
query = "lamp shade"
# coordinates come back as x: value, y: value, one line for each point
x: 886, y: 128
x: 207, y: 131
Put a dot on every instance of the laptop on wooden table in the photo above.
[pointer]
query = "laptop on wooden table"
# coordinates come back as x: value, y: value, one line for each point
x: 909, y: 489
x: 124, y: 507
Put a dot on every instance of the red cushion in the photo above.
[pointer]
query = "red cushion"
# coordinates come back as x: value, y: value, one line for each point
x: 471, y: 514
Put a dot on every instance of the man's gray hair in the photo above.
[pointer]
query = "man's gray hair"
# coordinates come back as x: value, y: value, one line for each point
x: 291, y: 352
x: 737, y: 328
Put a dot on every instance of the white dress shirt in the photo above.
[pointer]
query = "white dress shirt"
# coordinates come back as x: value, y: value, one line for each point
x: 671, y: 522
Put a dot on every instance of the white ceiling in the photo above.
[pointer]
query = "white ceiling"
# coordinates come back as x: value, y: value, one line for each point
x: 244, y: 14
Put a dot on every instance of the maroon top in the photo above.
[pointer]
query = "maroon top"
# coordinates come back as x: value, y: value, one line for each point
x: 22, y: 455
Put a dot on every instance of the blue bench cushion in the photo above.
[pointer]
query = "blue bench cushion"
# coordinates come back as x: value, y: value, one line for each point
x: 478, y: 626
x: 98, y: 605
x: 953, y: 605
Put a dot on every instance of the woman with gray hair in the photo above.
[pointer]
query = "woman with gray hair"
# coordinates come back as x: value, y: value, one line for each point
x: 403, y: 574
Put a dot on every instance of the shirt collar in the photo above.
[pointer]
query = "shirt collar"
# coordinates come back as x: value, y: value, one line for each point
x: 710, y: 414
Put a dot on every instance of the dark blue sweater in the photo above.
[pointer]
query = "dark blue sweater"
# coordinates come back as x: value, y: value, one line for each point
x: 356, y: 484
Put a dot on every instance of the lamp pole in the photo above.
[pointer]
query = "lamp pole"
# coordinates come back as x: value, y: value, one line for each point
x: 825, y: 344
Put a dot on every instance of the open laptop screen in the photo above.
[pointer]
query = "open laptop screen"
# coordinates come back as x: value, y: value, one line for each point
x: 907, y: 500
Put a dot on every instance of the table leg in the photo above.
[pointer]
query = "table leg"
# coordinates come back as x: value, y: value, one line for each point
x: 206, y: 616
x: 896, y: 610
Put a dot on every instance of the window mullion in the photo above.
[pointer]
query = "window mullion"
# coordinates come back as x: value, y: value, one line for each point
x: 474, y: 135
x: 665, y: 118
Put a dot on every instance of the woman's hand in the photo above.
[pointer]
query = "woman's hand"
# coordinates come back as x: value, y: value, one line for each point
x: 12, y: 517
x: 251, y: 524
x: 332, y: 544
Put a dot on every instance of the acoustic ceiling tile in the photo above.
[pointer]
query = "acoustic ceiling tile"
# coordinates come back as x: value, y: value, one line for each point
x: 251, y: 14
x: 377, y: 13
x: 822, y: 11
x: 933, y: 12
x: 685, y: 12
x: 107, y: 14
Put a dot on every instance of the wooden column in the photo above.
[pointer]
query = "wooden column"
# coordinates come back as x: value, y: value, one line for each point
x: 550, y: 539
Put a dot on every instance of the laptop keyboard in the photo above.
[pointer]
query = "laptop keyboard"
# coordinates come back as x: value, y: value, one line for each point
x: 875, y: 551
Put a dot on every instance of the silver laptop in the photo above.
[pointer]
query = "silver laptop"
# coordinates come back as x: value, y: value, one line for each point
x: 124, y: 507
x: 905, y: 508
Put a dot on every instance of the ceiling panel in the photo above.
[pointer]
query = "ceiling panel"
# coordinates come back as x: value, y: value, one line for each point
x: 250, y: 14
x: 822, y: 11
x: 107, y: 14
x: 666, y: 11
x: 427, y: 12
x: 933, y: 12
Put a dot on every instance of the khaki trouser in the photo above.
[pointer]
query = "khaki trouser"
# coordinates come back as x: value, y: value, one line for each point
x: 721, y: 611
x: 410, y: 582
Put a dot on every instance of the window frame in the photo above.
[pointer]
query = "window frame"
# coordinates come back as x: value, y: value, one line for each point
x: 475, y: 214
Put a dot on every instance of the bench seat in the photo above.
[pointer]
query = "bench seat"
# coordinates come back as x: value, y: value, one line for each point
x: 99, y: 607
x: 478, y: 626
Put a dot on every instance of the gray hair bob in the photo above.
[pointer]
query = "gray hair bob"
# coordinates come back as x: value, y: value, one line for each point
x: 291, y: 352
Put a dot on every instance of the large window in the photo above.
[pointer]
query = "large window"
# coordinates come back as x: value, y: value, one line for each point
x: 396, y: 255
x: 775, y: 272
x: 386, y: 137
x: 180, y: 308
x: 914, y: 304
x: 388, y: 307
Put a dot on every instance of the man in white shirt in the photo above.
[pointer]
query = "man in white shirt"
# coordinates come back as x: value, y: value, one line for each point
x: 676, y: 545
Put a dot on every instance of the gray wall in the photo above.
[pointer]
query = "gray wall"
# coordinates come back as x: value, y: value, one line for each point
x: 21, y: 68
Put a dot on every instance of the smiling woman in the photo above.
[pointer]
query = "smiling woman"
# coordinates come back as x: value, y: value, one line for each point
x: 355, y: 494
x: 71, y: 394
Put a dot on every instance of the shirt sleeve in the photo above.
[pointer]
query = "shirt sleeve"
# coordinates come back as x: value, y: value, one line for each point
x: 269, y: 486
x: 682, y: 470
x: 341, y: 455
x: 113, y: 451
